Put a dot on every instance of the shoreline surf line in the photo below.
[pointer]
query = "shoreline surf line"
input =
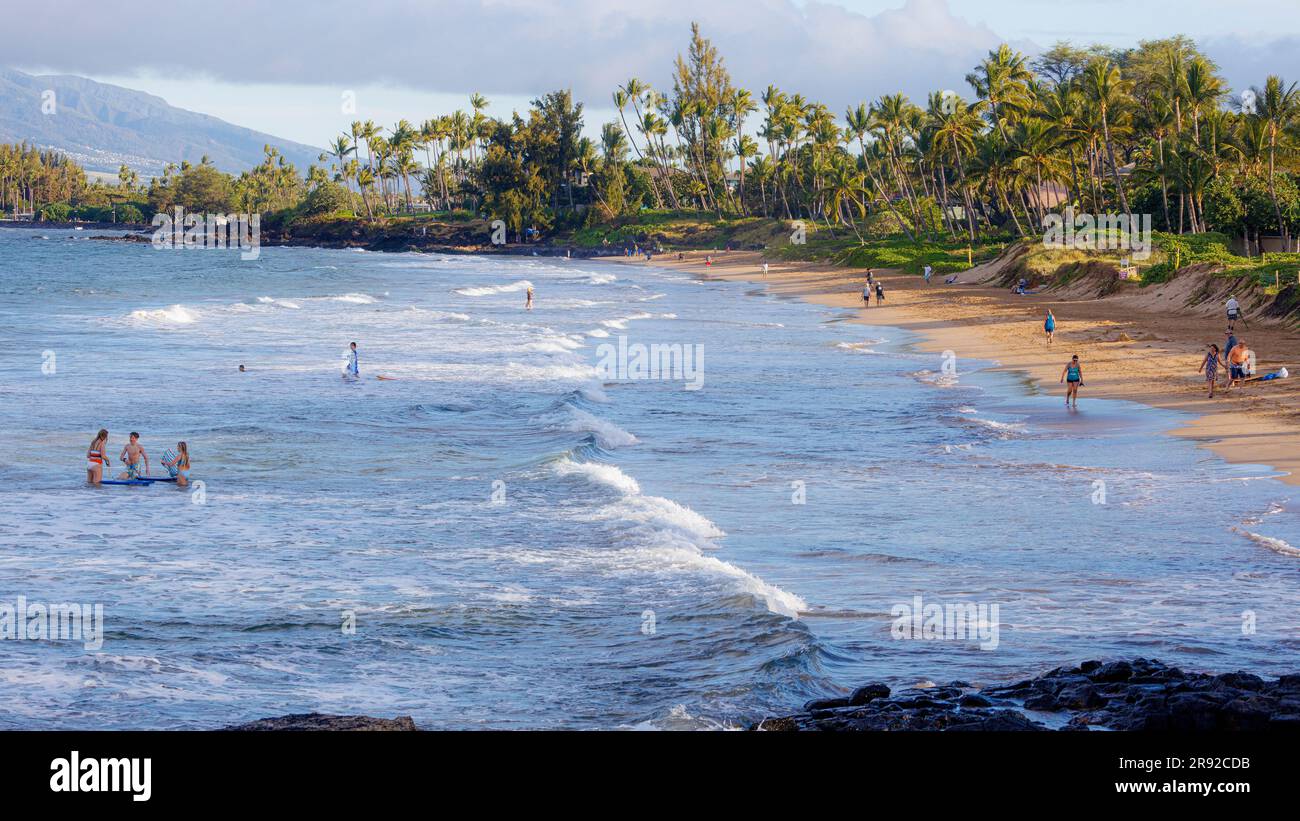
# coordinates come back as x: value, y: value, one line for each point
x: 978, y: 322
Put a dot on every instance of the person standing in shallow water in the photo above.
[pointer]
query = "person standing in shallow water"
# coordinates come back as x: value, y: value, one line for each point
x: 1049, y: 325
x: 528, y: 303
x: 354, y: 367
x: 1072, y: 375
x: 95, y: 458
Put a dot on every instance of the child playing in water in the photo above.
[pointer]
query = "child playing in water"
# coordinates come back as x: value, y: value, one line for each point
x: 132, y: 455
x: 181, y: 464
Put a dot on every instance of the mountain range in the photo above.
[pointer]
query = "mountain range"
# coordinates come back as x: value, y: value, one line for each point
x: 104, y: 126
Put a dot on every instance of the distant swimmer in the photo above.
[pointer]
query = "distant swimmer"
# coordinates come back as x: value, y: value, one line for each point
x: 241, y: 369
x: 353, y: 368
x: 180, y: 464
x: 1073, y: 376
x: 135, y: 459
x: 1049, y: 326
x: 95, y: 458
x: 528, y: 302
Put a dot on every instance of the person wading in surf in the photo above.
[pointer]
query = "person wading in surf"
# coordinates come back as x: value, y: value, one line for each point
x: 95, y: 458
x: 132, y: 456
x: 1073, y: 375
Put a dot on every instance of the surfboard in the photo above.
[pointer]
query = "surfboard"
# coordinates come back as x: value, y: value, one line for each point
x: 126, y: 482
x: 387, y: 378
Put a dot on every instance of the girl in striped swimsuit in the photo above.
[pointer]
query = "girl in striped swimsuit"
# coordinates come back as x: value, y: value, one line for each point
x: 95, y: 458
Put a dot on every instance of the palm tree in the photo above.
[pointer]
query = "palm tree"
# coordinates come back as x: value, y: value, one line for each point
x: 1278, y: 107
x: 1103, y: 85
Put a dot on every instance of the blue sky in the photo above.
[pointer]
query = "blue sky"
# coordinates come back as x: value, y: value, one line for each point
x: 284, y: 67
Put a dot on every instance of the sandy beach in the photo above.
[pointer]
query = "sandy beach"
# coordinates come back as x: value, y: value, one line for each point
x: 1128, y: 350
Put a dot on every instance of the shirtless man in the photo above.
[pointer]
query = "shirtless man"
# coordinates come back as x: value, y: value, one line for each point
x: 132, y: 455
x: 1237, y: 359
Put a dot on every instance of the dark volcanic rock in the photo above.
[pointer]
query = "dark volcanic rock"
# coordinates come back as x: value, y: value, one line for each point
x: 1138, y: 694
x: 321, y: 721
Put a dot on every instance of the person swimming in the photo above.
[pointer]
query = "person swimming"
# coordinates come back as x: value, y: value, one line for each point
x: 132, y: 456
x: 95, y: 458
x: 1073, y: 375
x: 181, y: 464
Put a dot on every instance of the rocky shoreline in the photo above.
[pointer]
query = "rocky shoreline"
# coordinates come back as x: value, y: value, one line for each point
x: 1136, y: 695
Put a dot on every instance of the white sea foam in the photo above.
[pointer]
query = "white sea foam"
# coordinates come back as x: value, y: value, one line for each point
x: 599, y: 473
x: 1276, y: 545
x: 672, y: 534
x: 174, y: 315
x: 356, y: 299
x: 608, y: 434
x: 488, y: 290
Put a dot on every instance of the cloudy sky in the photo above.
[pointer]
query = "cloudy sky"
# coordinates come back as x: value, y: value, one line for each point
x: 285, y: 67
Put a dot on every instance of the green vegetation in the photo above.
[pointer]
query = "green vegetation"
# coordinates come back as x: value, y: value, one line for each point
x: 1148, y: 130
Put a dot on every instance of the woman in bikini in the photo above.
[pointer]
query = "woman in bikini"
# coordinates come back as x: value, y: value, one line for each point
x: 181, y: 463
x: 95, y: 458
x: 1211, y: 367
x: 1073, y: 376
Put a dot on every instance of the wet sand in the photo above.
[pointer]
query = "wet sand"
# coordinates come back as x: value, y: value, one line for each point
x: 1127, y: 351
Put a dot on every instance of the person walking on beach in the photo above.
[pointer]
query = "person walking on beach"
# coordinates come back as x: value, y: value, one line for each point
x: 866, y: 295
x: 880, y: 294
x: 871, y: 279
x: 928, y: 272
x: 1049, y: 326
x: 1234, y: 312
x: 1211, y: 367
x: 764, y: 269
x: 1237, y: 358
x: 95, y: 457
x: 1073, y: 376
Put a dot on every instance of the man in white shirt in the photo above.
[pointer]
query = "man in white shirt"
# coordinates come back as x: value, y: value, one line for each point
x: 1234, y: 311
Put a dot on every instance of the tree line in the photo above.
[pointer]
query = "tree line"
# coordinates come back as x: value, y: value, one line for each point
x: 1150, y: 129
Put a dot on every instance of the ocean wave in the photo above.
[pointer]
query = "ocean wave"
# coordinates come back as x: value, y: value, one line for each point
x: 282, y: 303
x: 598, y: 473
x: 608, y: 435
x: 1276, y: 545
x: 356, y: 299
x: 173, y: 315
x: 488, y: 290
